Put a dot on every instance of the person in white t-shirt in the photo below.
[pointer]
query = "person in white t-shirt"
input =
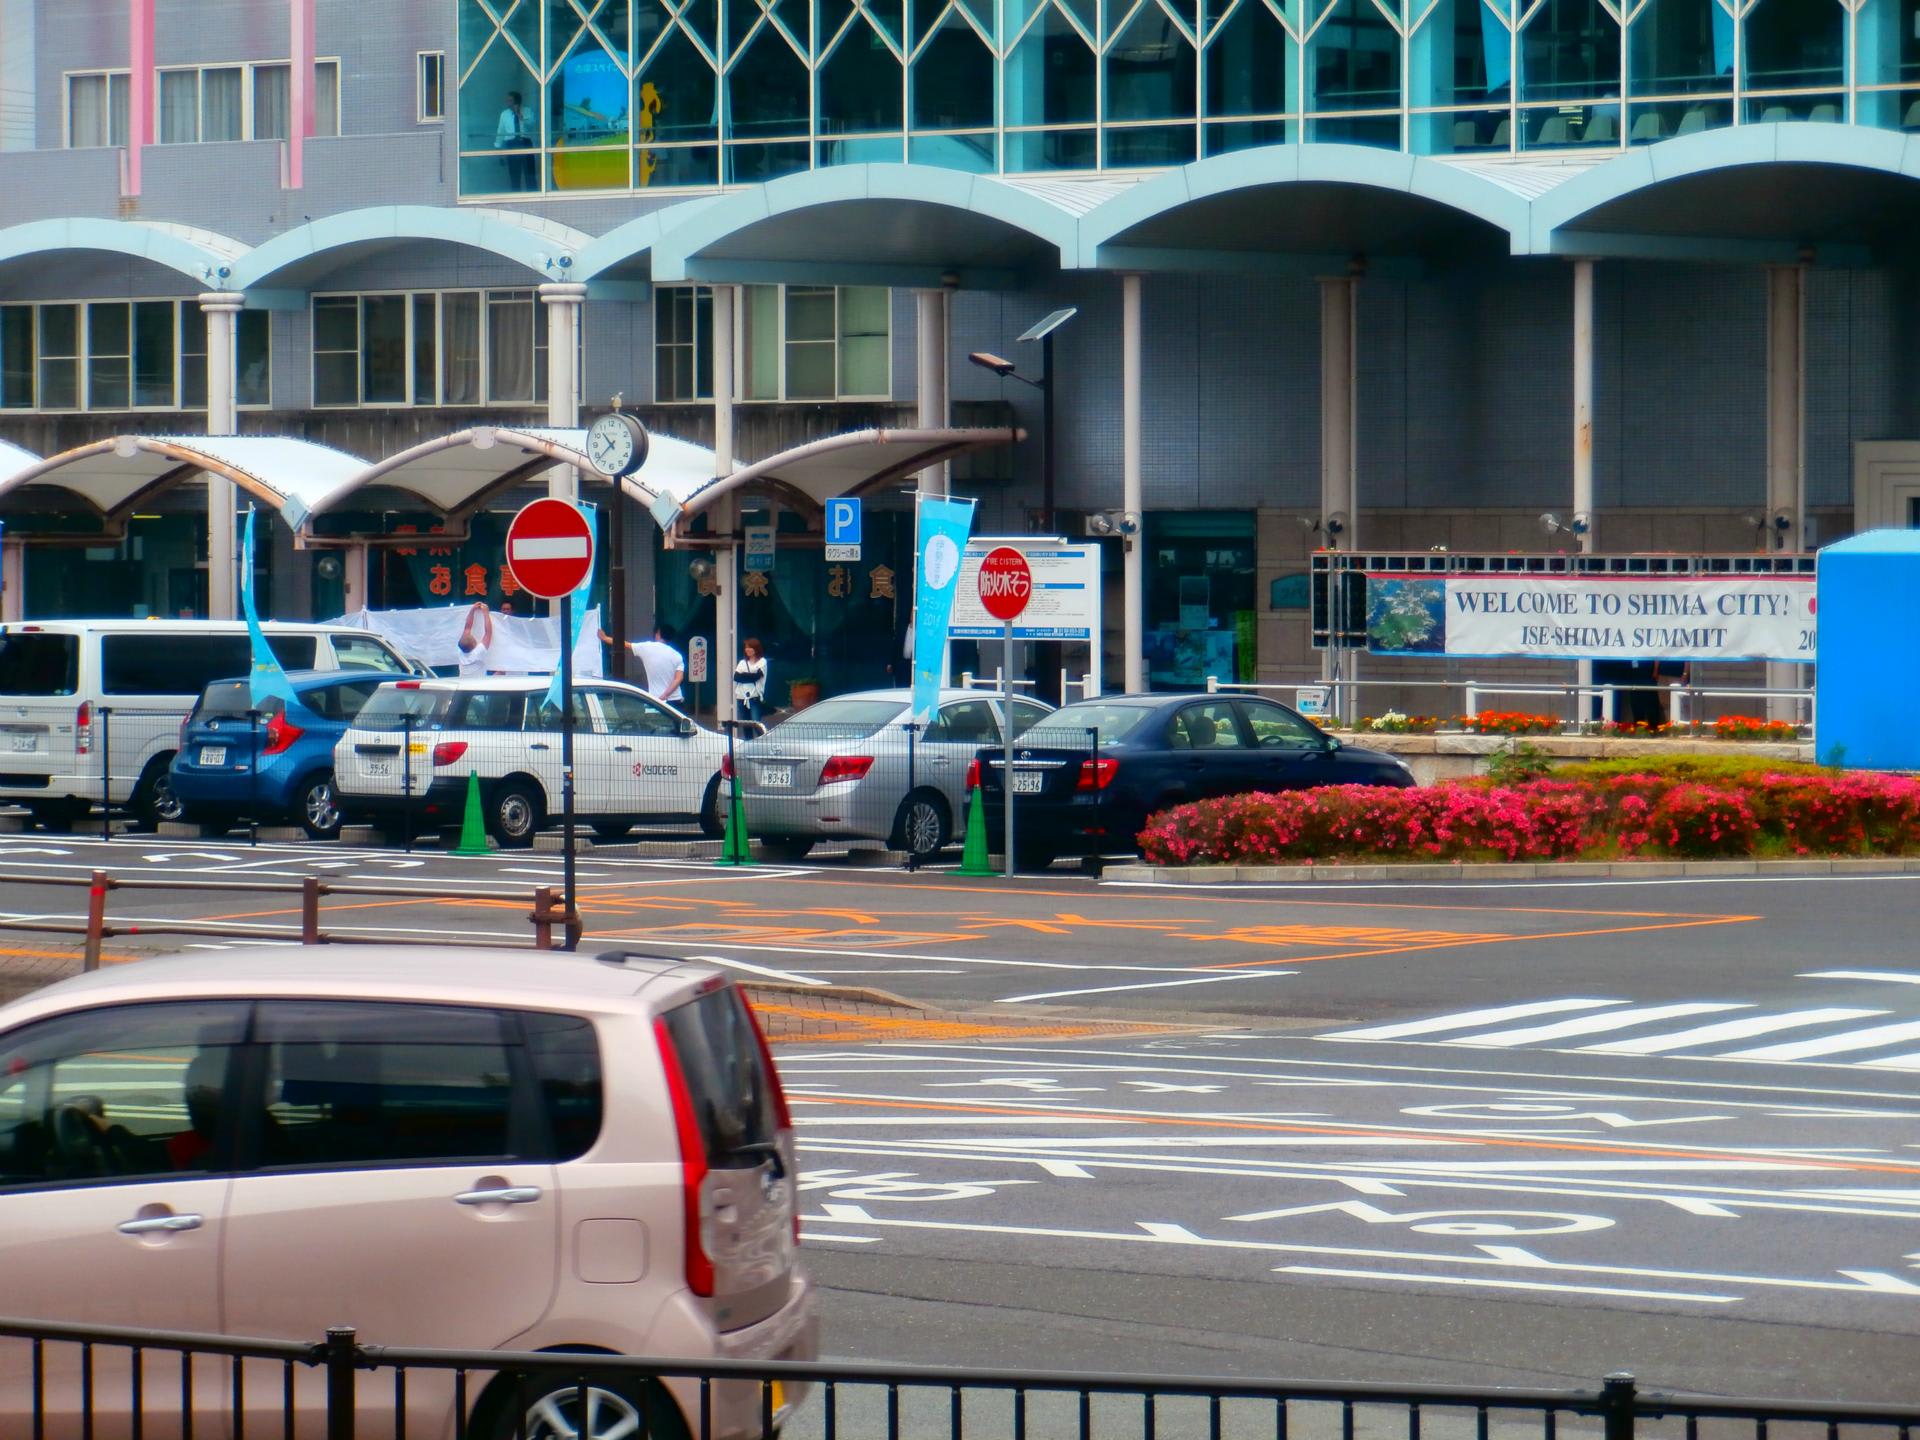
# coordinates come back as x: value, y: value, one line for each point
x: 476, y: 639
x: 665, y: 667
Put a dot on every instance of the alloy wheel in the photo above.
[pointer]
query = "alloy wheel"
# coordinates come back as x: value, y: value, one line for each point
x: 609, y: 1416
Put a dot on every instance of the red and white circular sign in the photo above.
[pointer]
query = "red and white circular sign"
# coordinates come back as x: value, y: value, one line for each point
x: 1006, y: 584
x: 550, y: 548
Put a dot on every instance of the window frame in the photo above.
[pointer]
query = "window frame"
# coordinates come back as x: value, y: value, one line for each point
x: 422, y: 115
x: 108, y: 74
x: 186, y: 332
x: 701, y: 345
x: 486, y: 298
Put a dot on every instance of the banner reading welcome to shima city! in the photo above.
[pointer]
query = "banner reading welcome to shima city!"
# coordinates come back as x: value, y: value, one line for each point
x: 1624, y: 617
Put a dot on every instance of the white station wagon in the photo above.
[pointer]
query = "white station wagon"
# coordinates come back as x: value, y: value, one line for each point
x: 635, y: 759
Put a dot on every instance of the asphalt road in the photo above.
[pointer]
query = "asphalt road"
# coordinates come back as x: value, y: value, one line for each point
x: 1511, y: 1133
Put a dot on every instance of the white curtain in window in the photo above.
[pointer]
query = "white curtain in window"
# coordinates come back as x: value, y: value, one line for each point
x: 118, y: 90
x: 510, y: 350
x: 179, y: 107
x: 86, y: 111
x: 270, y: 114
x: 221, y: 104
x: 460, y: 349
x: 326, y: 98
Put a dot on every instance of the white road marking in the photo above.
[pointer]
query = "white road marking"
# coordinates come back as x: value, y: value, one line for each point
x: 1214, y: 979
x: 1465, y: 1020
x: 1728, y: 1030
x: 1868, y: 1039
x: 1894, y: 1062
x: 1479, y: 1282
x: 811, y: 1237
x: 1078, y: 966
x: 917, y: 1121
x: 1593, y: 1024
x: 1894, y: 977
x: 765, y: 970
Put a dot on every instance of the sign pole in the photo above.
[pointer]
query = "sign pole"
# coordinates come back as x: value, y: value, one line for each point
x: 1006, y: 732
x: 566, y: 765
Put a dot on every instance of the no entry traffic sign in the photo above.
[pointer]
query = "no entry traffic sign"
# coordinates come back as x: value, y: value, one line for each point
x: 550, y: 548
x: 1006, y: 584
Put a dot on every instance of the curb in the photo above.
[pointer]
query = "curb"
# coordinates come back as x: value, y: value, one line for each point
x: 1548, y: 870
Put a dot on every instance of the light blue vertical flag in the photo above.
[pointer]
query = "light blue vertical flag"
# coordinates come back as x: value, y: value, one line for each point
x: 266, y: 679
x: 578, y: 600
x: 940, y: 539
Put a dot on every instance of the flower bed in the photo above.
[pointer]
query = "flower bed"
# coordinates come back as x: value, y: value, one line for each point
x: 1508, y: 722
x: 1749, y: 727
x: 1605, y: 817
x: 1394, y: 723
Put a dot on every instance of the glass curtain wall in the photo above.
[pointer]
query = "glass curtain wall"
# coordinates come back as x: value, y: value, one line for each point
x: 599, y: 95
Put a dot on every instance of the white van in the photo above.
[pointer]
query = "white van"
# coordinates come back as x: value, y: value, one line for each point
x: 84, y: 698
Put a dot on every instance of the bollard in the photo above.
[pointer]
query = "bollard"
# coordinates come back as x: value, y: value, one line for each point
x: 339, y: 1353
x: 310, y: 893
x: 1617, y: 1406
x: 543, y: 917
x: 96, y: 918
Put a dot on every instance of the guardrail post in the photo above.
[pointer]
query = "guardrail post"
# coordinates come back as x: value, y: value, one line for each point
x: 339, y: 1353
x: 1472, y: 698
x: 96, y: 919
x: 543, y: 917
x: 1213, y: 684
x: 310, y: 891
x: 1616, y: 1406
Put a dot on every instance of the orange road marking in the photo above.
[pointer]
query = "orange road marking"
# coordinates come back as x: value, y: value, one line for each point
x: 1492, y: 940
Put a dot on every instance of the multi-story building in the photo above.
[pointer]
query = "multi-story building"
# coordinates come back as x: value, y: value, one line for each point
x: 1394, y: 274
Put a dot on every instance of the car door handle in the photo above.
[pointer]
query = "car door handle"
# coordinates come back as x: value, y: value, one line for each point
x: 158, y: 1224
x: 623, y: 749
x: 539, y: 745
x: 506, y: 1195
x: 937, y: 760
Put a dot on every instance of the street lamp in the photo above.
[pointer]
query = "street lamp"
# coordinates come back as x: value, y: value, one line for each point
x: 1006, y: 370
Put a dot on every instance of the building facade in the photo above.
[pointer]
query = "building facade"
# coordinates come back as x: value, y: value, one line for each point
x: 1354, y: 273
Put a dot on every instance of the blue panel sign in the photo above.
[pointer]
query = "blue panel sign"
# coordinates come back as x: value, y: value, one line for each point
x: 843, y: 529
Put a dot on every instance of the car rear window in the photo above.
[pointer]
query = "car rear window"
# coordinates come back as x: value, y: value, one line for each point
x: 1069, y: 725
x: 396, y: 709
x: 726, y: 1077
x: 849, y: 717
x: 39, y: 664
x: 229, y: 697
x: 160, y: 662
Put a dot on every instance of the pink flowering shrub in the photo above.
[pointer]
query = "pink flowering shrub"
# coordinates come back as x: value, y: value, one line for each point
x: 1548, y: 819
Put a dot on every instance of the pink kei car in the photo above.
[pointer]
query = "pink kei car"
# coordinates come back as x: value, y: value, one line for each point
x: 450, y: 1148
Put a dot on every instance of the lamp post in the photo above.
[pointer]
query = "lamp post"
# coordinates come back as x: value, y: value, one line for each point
x: 1006, y: 370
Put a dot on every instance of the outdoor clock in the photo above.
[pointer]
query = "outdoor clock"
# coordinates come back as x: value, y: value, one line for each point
x: 617, y: 445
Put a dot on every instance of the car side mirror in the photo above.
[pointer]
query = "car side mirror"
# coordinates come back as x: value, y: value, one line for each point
x: 1332, y: 742
x: 683, y: 728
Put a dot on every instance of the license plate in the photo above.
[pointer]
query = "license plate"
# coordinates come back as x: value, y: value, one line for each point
x: 1027, y: 782
x: 213, y: 754
x: 379, y: 767
x: 23, y: 741
x: 776, y: 777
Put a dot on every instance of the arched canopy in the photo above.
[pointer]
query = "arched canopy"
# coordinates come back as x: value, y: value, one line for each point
x: 902, y: 225
x: 200, y: 255
x: 1756, y: 192
x: 1320, y: 203
x: 456, y: 474
x: 625, y: 253
x: 113, y: 478
x: 809, y: 475
x: 302, y: 255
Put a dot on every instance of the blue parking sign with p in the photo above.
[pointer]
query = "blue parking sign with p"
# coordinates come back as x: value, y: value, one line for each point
x: 843, y: 529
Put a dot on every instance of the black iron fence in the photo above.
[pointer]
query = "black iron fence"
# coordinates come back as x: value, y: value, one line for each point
x: 61, y: 1381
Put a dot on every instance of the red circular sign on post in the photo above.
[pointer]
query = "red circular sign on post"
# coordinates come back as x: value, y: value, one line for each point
x: 1006, y: 584
x: 550, y: 548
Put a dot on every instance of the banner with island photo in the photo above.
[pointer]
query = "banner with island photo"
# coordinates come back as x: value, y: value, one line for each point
x: 1595, y: 617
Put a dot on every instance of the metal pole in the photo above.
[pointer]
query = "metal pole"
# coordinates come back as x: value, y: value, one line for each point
x: 913, y: 858
x: 1046, y: 439
x: 340, y: 1352
x: 1006, y: 733
x: 565, y: 604
x: 1133, y: 643
x: 96, y: 919
x: 106, y: 772
x: 310, y: 911
x: 617, y: 581
x: 253, y: 779
x: 406, y: 783
x: 1583, y: 440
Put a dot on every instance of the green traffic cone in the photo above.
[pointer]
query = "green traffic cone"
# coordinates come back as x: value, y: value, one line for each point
x: 974, y: 860
x: 735, y: 847
x: 473, y: 829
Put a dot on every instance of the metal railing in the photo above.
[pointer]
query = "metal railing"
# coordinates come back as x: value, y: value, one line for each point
x: 546, y: 914
x: 69, y: 1379
x: 1575, y: 699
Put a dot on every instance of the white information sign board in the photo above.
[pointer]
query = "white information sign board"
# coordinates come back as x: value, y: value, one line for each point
x: 1065, y: 604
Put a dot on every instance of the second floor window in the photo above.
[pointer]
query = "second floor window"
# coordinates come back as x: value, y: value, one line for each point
x: 791, y: 342
x: 202, y: 104
x: 121, y: 355
x: 430, y: 347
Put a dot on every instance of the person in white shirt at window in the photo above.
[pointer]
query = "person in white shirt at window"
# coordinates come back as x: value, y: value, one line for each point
x: 515, y: 132
x: 665, y: 666
x: 750, y: 681
x: 476, y: 639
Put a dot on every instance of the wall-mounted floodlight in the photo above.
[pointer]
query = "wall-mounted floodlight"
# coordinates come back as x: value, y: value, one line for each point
x: 988, y: 361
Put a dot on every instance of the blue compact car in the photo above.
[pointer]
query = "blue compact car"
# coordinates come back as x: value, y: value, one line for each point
x: 1086, y: 778
x: 271, y: 761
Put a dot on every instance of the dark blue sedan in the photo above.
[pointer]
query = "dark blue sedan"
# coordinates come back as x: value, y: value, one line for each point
x: 270, y: 761
x: 1086, y: 778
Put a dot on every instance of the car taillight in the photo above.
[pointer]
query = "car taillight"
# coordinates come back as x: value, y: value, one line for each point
x: 280, y: 734
x: 448, y: 751
x: 83, y: 729
x: 406, y: 684
x: 1096, y: 774
x: 845, y: 767
x: 973, y: 773
x: 783, y: 1117
x: 693, y: 1162
x: 726, y: 767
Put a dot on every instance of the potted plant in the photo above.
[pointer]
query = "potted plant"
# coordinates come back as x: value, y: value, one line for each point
x: 803, y: 692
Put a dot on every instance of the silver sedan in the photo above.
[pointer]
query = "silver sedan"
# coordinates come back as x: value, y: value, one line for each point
x: 840, y: 770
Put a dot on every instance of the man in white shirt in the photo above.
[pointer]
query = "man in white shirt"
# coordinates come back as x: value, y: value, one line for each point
x: 476, y: 640
x: 665, y: 666
x: 514, y: 132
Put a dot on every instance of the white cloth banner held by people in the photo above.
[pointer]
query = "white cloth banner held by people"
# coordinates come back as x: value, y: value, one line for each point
x: 522, y: 645
x: 1597, y: 617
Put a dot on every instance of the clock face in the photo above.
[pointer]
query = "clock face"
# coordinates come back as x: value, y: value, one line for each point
x: 610, y: 445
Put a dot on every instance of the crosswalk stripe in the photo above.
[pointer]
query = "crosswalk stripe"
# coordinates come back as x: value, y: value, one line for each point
x: 1894, y: 977
x: 1466, y: 1019
x: 1866, y: 1039
x: 1895, y: 1062
x: 1720, y: 1030
x: 1592, y: 1024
